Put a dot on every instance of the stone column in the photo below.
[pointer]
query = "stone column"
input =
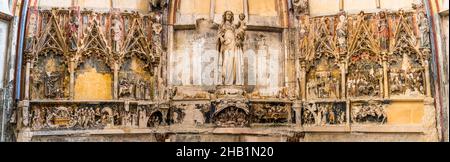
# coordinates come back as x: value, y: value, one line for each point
x: 23, y: 122
x: 347, y: 113
x: 341, y: 5
x: 427, y: 78
x: 429, y: 121
x: 303, y: 80
x: 378, y: 3
x: 245, y: 9
x: 27, y: 80
x: 189, y: 118
x: 297, y: 106
x: 25, y: 135
x: 385, y: 76
x: 212, y: 10
x: 285, y: 13
x: 172, y: 8
x: 116, y: 81
x: 343, y: 68
x: 170, y: 45
x: 72, y: 79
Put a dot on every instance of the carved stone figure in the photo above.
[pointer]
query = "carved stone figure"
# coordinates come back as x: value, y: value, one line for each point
x: 157, y: 4
x: 323, y: 79
x: 364, y: 79
x: 156, y: 38
x: 406, y: 70
x: 177, y: 115
x: 406, y: 77
x: 301, y: 7
x: 424, y: 29
x: 72, y: 31
x: 303, y: 33
x: 81, y: 117
x: 230, y: 56
x: 116, y: 33
x: 126, y: 88
x: 309, y: 114
x: 341, y: 32
x: 155, y: 120
x: 383, y: 30
x: 141, y: 89
x: 322, y: 114
x: 52, y: 84
x: 37, y: 119
x: 31, y: 36
x: 241, y: 27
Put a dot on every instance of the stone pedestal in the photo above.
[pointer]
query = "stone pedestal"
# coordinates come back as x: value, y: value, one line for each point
x: 429, y: 120
x: 25, y: 135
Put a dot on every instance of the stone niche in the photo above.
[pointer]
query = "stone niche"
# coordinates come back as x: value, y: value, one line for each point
x: 50, y: 79
x: 135, y: 81
x: 94, y: 81
x: 195, y: 62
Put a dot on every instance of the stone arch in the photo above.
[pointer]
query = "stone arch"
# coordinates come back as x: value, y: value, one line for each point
x: 406, y: 75
x: 232, y: 116
x: 136, y: 77
x: 94, y: 67
x: 156, y: 119
x: 49, y: 71
x: 365, y: 71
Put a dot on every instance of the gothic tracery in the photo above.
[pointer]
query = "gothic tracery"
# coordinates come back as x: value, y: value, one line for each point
x: 348, y: 67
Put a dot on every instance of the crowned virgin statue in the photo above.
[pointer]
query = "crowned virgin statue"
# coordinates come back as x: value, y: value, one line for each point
x: 231, y: 38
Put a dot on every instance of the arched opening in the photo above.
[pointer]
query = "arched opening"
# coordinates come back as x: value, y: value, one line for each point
x: 93, y: 80
x: 155, y: 120
x: 231, y: 117
x: 49, y: 76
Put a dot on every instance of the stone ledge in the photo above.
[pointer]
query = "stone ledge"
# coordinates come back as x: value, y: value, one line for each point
x: 331, y: 129
x: 287, y: 130
x: 388, y: 129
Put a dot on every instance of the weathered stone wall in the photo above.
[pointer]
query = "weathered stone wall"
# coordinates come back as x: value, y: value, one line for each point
x: 96, y: 72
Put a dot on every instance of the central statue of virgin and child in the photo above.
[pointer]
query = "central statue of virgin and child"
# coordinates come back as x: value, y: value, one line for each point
x: 230, y: 46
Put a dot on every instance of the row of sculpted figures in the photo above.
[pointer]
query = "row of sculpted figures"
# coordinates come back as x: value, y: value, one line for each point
x: 364, y: 56
x: 62, y: 44
x: 110, y: 115
x: 97, y: 116
x: 117, y: 115
x: 351, y: 66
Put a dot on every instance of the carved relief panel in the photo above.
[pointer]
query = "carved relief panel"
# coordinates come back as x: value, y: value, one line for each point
x: 369, y: 112
x: 231, y: 113
x: 95, y: 116
x: 365, y: 70
x: 324, y: 114
x: 75, y: 117
x: 406, y: 70
x: 271, y: 113
x: 323, y: 74
x: 50, y: 79
x: 135, y: 78
x: 94, y: 65
x: 49, y: 72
